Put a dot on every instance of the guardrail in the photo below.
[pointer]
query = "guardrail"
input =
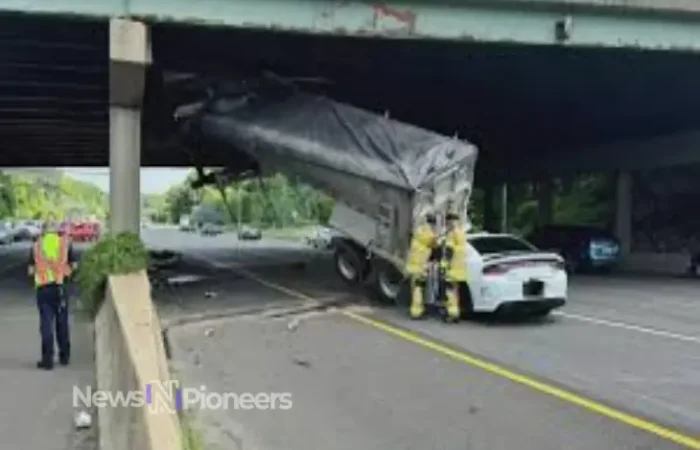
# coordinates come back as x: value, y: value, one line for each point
x: 129, y: 355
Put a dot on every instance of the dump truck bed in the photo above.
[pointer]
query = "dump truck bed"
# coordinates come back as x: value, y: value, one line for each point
x: 378, y: 168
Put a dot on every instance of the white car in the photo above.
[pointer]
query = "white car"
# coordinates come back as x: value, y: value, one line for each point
x: 505, y: 274
x: 27, y: 231
x: 508, y: 274
x: 6, y: 235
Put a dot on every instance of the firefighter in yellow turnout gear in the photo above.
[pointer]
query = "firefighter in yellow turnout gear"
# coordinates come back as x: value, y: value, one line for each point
x: 454, y: 263
x: 423, y: 242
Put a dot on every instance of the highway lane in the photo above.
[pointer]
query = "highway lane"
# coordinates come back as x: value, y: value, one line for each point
x: 626, y: 342
x: 604, y: 348
x: 659, y: 304
x: 355, y: 387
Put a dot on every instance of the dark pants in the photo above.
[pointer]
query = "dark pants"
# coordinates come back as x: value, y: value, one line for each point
x: 53, y: 316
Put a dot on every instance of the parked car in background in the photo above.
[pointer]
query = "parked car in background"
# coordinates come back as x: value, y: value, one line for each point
x: 322, y: 238
x: 28, y: 230
x: 6, y: 235
x: 85, y: 231
x: 186, y: 224
x: 584, y: 248
x: 211, y: 229
x: 15, y: 230
x: 247, y: 233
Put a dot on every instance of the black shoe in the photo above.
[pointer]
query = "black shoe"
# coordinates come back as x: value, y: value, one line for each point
x: 64, y: 361
x: 44, y: 365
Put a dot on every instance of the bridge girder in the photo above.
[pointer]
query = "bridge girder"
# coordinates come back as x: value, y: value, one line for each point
x: 668, y: 25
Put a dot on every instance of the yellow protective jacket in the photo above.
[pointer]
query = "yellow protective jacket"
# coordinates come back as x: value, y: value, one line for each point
x: 456, y: 240
x: 423, y: 241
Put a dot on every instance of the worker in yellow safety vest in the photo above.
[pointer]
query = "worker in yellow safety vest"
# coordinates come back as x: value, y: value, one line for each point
x: 422, y: 244
x: 455, y: 263
x: 51, y: 264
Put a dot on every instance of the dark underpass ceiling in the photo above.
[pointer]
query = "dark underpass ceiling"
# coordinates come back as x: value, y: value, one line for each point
x: 508, y: 100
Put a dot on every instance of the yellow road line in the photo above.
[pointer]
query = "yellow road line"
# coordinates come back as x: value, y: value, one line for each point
x: 495, y: 369
x: 591, y: 405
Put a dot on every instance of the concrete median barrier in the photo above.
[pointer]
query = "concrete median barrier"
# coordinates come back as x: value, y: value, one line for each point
x: 130, y: 358
x: 656, y: 263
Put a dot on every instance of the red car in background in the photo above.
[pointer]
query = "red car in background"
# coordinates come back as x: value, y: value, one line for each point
x: 84, y: 231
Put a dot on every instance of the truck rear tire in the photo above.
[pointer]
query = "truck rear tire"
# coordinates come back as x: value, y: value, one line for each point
x: 348, y: 263
x: 389, y: 286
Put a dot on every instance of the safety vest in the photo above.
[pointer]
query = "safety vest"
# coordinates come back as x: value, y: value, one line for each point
x: 51, y: 259
x: 456, y: 240
x: 422, y: 243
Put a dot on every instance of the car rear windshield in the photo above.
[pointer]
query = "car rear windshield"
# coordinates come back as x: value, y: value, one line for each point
x: 499, y: 244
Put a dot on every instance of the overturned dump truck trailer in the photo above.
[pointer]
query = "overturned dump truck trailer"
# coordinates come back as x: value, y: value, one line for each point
x: 384, y: 175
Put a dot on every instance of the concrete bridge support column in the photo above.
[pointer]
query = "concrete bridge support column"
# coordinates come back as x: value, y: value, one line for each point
x: 623, y: 211
x: 489, y: 211
x: 503, y: 203
x: 129, y: 56
x: 545, y: 197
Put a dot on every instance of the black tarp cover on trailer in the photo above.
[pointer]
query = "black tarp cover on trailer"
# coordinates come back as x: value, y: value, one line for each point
x: 275, y: 120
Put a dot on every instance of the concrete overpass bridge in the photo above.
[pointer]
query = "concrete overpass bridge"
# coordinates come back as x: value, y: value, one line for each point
x: 543, y: 87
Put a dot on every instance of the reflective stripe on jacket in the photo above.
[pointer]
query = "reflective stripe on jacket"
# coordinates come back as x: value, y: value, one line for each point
x: 457, y: 241
x: 51, y: 259
x: 422, y: 243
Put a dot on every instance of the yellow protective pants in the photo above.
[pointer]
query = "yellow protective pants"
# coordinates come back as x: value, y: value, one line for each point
x: 452, y: 306
x: 417, y: 308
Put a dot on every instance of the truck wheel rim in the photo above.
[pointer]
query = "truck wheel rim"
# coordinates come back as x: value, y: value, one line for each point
x: 346, y: 268
x: 388, y: 287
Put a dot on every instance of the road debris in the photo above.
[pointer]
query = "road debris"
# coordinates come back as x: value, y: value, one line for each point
x: 82, y: 420
x: 293, y: 324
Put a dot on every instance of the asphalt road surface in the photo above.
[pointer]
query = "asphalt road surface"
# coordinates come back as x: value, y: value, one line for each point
x: 37, y: 409
x: 618, y: 368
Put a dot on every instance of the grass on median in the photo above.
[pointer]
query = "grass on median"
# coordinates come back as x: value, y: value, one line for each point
x: 192, y: 438
x: 118, y: 254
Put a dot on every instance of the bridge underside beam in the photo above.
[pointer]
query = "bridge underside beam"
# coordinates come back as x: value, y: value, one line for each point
x: 504, y: 22
x: 629, y: 155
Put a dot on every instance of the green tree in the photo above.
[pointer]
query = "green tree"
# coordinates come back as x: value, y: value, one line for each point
x: 275, y: 201
x: 31, y: 195
x: 179, y: 201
